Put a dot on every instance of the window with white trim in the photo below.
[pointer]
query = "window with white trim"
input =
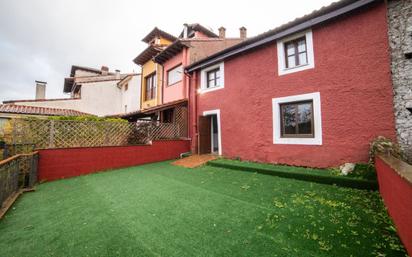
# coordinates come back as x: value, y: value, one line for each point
x: 297, y: 119
x: 212, y: 78
x: 174, y: 75
x: 295, y: 53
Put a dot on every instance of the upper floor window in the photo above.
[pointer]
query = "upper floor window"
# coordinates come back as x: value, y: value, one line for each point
x: 295, y: 53
x: 150, y: 86
x: 212, y: 78
x: 174, y: 75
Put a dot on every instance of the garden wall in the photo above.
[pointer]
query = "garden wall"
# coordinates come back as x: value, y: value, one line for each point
x: 70, y: 162
x: 395, y: 186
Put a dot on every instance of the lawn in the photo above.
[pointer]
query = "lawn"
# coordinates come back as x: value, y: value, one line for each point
x: 163, y: 210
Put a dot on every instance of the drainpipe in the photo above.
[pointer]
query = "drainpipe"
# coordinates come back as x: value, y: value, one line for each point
x: 162, y: 93
x: 196, y: 132
x: 189, y: 102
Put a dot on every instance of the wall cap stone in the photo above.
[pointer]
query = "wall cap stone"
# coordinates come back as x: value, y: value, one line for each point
x: 402, y: 168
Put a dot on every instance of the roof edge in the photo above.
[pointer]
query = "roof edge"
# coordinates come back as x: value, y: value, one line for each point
x: 294, y: 28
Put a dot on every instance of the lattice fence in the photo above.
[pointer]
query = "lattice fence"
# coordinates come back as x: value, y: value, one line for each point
x: 46, y: 134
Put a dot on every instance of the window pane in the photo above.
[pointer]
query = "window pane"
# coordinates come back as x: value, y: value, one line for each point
x: 290, y: 49
x: 302, y: 46
x: 291, y: 61
x: 305, y: 118
x: 175, y: 75
x: 289, y: 119
x: 212, y: 78
x: 303, y: 59
x: 217, y: 74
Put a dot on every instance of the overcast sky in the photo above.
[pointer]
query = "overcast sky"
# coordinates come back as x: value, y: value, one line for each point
x: 41, y: 39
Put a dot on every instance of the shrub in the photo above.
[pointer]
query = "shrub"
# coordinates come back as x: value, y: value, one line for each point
x: 383, y: 145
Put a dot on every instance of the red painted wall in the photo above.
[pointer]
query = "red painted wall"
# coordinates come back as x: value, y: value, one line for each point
x: 351, y: 73
x: 397, y: 195
x: 70, y: 162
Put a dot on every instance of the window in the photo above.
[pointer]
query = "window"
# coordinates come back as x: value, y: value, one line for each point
x: 174, y: 75
x: 212, y: 78
x: 297, y: 119
x: 150, y: 86
x: 168, y: 116
x: 295, y: 53
x: 126, y: 87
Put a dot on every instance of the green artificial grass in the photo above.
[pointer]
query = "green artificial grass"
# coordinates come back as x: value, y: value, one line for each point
x: 163, y: 210
x: 325, y: 176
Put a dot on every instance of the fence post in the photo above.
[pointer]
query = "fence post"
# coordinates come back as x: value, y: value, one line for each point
x: 33, y: 170
x: 51, y: 136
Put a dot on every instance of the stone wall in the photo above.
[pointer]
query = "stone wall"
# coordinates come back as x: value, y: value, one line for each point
x: 400, y: 41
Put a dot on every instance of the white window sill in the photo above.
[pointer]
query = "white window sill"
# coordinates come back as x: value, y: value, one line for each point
x: 297, y: 141
x: 206, y: 90
x: 295, y: 69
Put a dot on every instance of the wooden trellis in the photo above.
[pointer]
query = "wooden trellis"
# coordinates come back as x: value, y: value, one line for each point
x: 46, y: 134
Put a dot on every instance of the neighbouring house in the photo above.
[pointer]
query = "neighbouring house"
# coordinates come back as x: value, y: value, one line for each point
x: 151, y: 93
x: 400, y: 41
x: 165, y: 89
x: 313, y: 92
x: 94, y: 91
x: 194, y: 43
x: 10, y: 111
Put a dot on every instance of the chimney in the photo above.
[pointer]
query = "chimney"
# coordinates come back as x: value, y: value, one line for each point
x: 185, y: 30
x: 222, y: 32
x: 40, y: 90
x: 117, y: 74
x: 105, y: 70
x: 242, y: 33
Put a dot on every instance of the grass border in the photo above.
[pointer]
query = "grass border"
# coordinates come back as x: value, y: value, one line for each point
x: 306, y: 176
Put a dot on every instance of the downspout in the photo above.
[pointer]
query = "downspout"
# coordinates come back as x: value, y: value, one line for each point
x: 162, y: 93
x: 188, y: 101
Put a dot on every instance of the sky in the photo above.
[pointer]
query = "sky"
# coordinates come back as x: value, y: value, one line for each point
x: 41, y: 39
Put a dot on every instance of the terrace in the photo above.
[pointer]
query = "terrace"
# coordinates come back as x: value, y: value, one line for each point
x: 163, y: 210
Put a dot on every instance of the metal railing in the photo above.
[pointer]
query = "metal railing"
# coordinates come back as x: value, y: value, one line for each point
x: 16, y: 173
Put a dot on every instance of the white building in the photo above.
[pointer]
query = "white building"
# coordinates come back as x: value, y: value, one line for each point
x: 93, y: 91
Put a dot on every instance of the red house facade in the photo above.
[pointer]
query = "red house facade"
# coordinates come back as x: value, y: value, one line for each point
x: 314, y: 92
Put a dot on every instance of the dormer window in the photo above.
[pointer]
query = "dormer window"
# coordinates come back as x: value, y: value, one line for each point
x: 295, y: 53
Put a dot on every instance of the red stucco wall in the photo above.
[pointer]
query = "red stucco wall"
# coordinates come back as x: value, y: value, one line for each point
x: 397, y: 195
x: 70, y: 162
x: 352, y: 75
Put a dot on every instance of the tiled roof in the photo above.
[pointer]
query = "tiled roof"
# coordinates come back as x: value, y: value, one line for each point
x: 35, y: 110
x: 158, y: 32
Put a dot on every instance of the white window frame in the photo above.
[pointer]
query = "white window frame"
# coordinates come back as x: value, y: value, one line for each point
x: 219, y: 130
x: 282, y: 69
x: 203, y: 78
x: 172, y: 70
x: 317, y: 120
